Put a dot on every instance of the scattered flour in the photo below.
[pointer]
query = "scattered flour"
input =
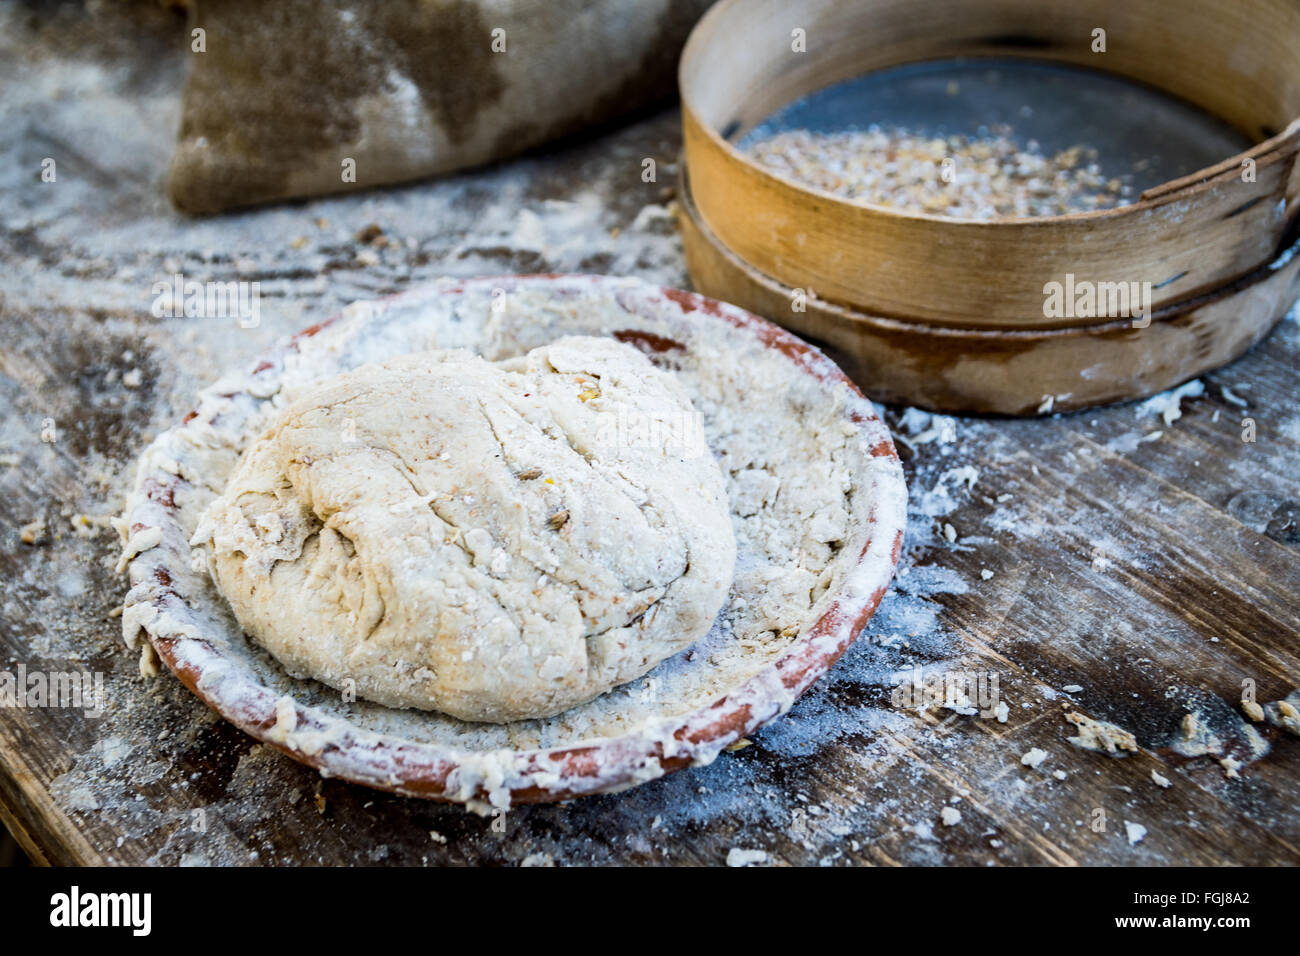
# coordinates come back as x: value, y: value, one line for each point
x: 737, y: 856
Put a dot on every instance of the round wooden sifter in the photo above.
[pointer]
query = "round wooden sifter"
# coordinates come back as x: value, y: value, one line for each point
x: 1194, y: 103
x: 686, y: 710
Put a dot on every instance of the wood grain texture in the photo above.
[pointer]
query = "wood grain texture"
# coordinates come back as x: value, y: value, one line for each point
x: 1155, y: 574
x: 1006, y: 373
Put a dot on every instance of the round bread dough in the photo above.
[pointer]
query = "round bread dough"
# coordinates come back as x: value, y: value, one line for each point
x: 497, y: 541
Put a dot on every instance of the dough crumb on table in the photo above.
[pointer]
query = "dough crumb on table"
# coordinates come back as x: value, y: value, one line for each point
x: 1100, y: 735
x: 1034, y: 758
x: 34, y: 532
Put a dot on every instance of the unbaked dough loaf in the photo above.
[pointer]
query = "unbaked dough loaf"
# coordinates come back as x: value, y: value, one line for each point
x: 494, y: 541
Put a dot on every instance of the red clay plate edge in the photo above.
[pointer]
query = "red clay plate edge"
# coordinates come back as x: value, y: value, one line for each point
x: 599, y: 765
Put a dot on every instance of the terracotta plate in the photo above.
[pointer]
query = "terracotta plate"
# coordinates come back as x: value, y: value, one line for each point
x: 686, y: 711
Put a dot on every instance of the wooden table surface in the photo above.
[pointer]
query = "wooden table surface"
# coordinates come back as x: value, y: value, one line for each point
x: 1121, y: 564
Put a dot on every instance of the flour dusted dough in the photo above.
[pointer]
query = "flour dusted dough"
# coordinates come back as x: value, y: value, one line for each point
x: 493, y: 541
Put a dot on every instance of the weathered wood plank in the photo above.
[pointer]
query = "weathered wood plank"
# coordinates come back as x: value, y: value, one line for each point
x: 1114, y: 563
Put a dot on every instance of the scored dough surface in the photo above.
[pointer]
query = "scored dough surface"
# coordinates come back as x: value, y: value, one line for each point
x: 496, y: 541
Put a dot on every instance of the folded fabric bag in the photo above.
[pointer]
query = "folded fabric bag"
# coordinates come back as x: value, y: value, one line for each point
x: 304, y: 97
